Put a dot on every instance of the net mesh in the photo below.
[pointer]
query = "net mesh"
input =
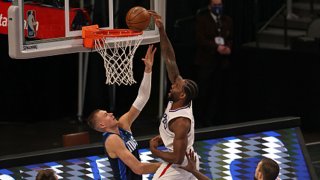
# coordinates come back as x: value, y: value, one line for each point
x: 118, y: 56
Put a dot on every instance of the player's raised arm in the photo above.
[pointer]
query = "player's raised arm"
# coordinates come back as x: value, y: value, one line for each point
x: 167, y: 51
x: 143, y: 94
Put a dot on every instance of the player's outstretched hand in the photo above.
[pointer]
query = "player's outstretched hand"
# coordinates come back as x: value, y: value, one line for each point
x: 148, y: 58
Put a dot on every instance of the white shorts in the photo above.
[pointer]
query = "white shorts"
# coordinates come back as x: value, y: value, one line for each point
x: 168, y: 171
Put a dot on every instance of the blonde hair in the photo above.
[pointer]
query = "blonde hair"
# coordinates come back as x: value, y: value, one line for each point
x: 91, y: 120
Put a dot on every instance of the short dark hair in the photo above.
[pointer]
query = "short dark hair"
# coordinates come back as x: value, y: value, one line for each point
x: 269, y: 169
x: 191, y: 90
x: 46, y: 174
x: 92, y: 118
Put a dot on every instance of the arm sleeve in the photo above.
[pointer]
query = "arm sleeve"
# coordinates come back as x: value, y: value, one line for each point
x: 144, y: 92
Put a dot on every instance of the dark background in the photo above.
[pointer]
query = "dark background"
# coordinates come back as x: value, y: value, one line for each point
x: 261, y: 83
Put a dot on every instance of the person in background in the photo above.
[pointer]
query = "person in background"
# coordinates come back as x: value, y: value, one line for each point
x: 46, y: 174
x: 267, y: 169
x: 214, y: 33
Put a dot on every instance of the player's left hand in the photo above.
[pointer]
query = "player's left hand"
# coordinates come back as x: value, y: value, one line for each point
x: 155, y: 142
x: 191, y: 167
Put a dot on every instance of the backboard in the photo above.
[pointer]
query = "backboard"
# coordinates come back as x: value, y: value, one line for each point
x: 39, y: 28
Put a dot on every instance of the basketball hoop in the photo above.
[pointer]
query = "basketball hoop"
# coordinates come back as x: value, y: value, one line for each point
x: 117, y: 48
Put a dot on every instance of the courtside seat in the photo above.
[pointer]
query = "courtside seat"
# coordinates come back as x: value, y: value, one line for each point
x: 75, y: 139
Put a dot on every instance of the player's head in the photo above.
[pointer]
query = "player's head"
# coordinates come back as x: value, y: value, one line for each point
x: 183, y: 90
x: 214, y: 2
x: 46, y: 174
x: 191, y: 90
x: 101, y: 120
x: 267, y: 169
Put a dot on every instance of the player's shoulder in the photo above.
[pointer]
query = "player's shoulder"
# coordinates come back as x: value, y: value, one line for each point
x: 113, y: 140
x: 180, y: 124
x: 180, y: 121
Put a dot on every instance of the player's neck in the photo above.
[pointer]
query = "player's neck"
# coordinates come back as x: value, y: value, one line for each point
x: 177, y: 104
x: 114, y: 130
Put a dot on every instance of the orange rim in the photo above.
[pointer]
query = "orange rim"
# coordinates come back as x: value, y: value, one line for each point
x: 91, y: 33
x: 116, y: 33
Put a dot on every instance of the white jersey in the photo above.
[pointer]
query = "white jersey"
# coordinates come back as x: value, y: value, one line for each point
x: 167, y: 136
x: 169, y: 171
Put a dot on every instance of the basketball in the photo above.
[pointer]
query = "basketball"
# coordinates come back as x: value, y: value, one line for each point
x: 138, y: 18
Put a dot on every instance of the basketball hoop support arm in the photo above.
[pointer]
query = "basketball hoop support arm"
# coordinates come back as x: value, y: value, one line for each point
x: 163, y: 79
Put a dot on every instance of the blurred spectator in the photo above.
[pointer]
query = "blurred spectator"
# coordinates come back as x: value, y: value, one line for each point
x: 214, y: 39
x: 267, y: 169
x: 46, y: 174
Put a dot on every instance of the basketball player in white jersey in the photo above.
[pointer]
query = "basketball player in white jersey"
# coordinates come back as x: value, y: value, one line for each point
x: 177, y: 124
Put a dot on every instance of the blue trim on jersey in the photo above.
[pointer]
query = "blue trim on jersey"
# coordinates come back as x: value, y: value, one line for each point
x: 184, y: 107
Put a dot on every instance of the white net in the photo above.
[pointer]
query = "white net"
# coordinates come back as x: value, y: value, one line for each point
x: 118, y: 54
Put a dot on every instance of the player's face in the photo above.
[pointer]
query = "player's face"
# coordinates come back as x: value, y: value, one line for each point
x: 216, y: 2
x: 176, y: 90
x: 105, y: 119
x: 257, y: 173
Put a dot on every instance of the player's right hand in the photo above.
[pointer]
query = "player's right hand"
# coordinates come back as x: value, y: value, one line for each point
x: 154, y: 14
x: 148, y: 58
x: 157, y: 18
